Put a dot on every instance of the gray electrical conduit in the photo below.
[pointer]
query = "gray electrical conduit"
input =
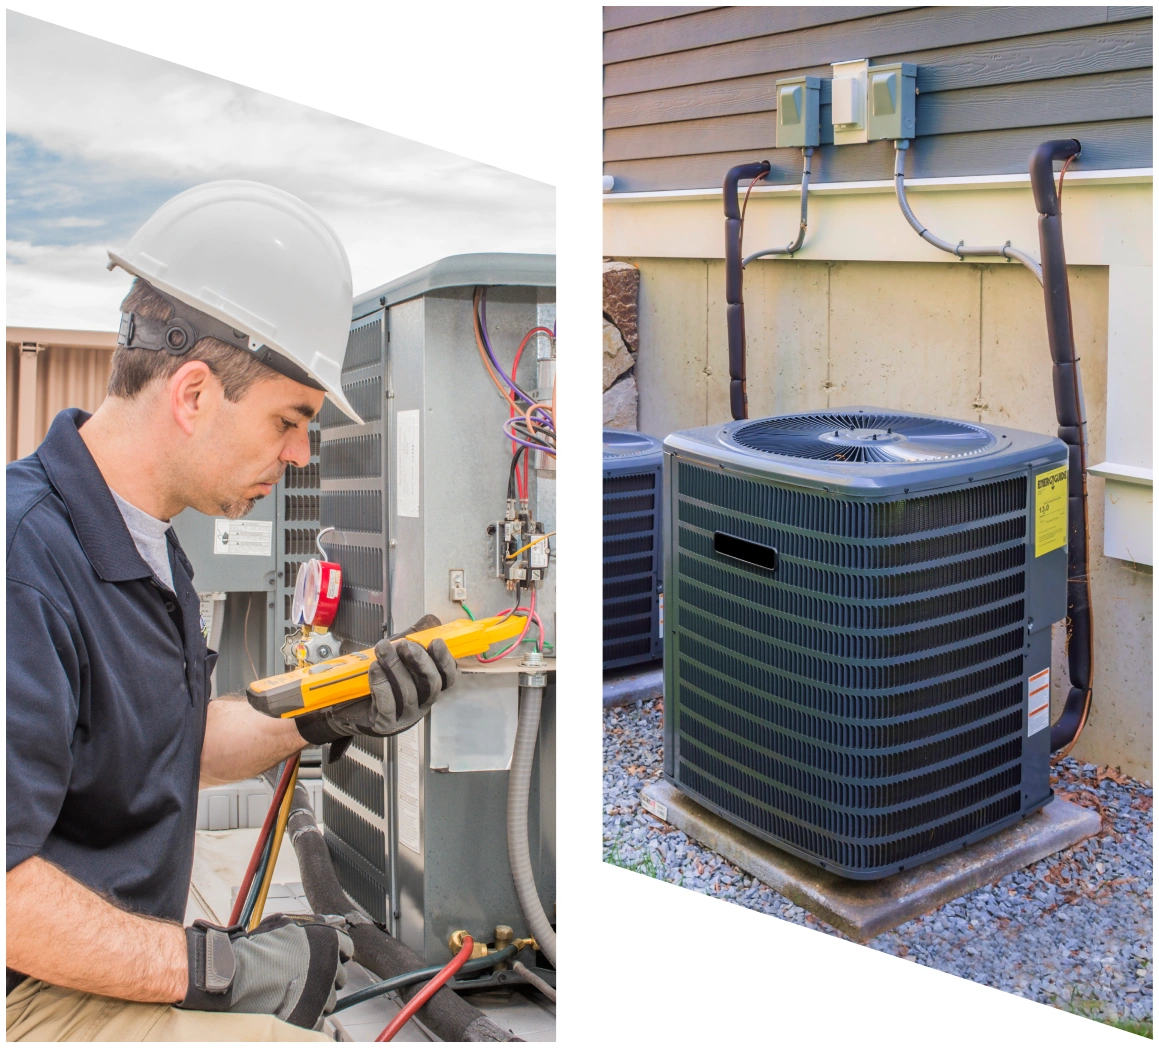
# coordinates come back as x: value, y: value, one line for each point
x: 795, y: 246
x: 446, y: 1013
x: 531, y: 686
x: 214, y: 640
x: 960, y: 249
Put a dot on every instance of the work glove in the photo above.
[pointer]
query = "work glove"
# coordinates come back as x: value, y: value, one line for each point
x: 290, y: 966
x: 405, y: 680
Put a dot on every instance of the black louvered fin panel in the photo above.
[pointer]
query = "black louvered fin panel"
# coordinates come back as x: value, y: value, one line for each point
x: 633, y: 473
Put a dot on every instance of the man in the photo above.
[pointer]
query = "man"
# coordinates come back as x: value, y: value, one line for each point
x: 231, y: 336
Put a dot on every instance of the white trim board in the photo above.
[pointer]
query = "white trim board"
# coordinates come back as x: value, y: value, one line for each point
x: 1106, y: 221
x: 1124, y: 176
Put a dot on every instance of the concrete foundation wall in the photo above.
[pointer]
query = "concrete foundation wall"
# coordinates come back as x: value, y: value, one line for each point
x: 964, y: 340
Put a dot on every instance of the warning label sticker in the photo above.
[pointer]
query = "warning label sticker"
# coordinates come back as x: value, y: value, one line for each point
x: 657, y: 808
x: 1038, y: 702
x: 243, y: 538
x: 1050, y: 490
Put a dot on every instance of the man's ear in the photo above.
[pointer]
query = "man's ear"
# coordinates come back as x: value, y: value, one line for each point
x: 187, y: 394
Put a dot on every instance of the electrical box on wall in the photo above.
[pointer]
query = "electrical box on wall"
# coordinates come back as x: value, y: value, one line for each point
x: 892, y: 101
x: 849, y: 92
x: 799, y: 112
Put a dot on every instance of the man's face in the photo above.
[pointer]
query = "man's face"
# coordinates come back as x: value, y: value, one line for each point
x: 241, y: 450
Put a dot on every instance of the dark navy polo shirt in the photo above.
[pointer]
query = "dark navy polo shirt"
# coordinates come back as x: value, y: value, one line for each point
x: 108, y: 682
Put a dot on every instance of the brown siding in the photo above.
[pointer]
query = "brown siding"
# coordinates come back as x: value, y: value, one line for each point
x: 690, y: 92
x: 66, y: 377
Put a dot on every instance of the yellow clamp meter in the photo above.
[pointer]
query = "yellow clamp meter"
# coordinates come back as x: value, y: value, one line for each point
x: 346, y: 678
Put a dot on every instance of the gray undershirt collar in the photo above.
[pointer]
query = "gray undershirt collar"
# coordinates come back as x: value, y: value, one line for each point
x: 149, y: 537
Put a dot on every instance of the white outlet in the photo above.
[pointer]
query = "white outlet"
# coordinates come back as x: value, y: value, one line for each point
x: 458, y: 587
x: 850, y: 89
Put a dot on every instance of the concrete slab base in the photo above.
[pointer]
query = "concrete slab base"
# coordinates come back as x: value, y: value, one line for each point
x: 863, y: 909
x: 632, y: 684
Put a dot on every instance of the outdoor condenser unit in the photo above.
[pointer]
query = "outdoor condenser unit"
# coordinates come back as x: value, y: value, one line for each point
x: 633, y: 609
x: 416, y: 824
x: 857, y: 651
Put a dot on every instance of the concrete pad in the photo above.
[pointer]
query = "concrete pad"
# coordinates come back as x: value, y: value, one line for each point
x: 863, y: 909
x: 641, y: 683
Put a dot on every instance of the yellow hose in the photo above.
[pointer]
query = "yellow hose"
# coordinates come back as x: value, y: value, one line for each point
x: 275, y: 847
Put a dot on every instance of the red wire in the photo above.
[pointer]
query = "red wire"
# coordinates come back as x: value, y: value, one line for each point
x: 518, y: 640
x: 263, y: 835
x: 428, y: 991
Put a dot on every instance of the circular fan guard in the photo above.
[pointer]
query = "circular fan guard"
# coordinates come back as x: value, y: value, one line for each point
x: 864, y: 437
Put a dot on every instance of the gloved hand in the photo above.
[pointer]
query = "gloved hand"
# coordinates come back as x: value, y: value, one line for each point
x: 405, y: 680
x: 290, y: 966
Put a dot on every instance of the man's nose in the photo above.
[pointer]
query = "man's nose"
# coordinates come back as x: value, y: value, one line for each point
x: 297, y: 449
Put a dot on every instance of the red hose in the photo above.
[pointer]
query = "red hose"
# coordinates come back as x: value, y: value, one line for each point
x: 266, y: 830
x: 428, y: 991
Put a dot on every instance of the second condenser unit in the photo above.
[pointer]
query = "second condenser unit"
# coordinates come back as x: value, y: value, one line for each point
x: 633, y: 595
x: 858, y: 638
x: 416, y: 823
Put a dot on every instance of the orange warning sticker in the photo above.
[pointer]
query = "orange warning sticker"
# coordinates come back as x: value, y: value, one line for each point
x: 1038, y: 702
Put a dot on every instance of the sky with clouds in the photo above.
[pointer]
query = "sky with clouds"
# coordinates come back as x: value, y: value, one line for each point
x: 99, y: 136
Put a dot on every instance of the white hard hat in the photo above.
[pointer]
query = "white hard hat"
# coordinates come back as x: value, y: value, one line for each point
x: 259, y: 261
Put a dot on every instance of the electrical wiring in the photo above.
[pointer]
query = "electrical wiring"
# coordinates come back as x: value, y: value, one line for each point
x: 1061, y: 175
x: 529, y: 440
x: 470, y: 613
x: 744, y: 208
x: 482, y: 311
x: 530, y: 617
x: 428, y: 991
x: 516, y: 489
x: 259, y: 847
x: 533, y: 542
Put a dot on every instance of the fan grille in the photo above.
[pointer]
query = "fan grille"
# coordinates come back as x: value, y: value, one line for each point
x: 864, y: 437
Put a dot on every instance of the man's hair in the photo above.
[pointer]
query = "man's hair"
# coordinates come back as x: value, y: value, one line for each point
x: 134, y: 369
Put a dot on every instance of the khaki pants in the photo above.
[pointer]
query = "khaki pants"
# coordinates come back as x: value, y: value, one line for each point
x: 38, y: 1011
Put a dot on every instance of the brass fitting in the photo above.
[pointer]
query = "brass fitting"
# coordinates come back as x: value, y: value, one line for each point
x: 479, y: 949
x: 521, y: 943
x: 503, y: 937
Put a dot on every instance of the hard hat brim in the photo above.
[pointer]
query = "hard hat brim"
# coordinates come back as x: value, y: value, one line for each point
x: 212, y: 309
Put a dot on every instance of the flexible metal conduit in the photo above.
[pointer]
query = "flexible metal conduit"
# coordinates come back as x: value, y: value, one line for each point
x: 734, y: 285
x: 795, y: 246
x: 1072, y: 431
x: 960, y: 249
x: 531, y: 686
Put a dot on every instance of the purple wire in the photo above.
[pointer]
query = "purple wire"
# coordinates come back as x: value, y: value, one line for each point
x: 491, y: 352
x: 522, y: 440
x: 526, y: 444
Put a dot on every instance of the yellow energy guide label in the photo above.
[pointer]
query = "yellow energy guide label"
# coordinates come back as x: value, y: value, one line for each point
x: 1050, y: 491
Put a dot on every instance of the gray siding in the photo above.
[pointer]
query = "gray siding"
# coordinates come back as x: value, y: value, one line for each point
x: 689, y: 91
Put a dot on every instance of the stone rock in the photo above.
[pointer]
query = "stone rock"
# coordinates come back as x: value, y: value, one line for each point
x: 622, y: 300
x: 620, y: 404
x: 617, y: 359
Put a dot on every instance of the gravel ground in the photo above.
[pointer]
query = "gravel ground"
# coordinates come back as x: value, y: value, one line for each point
x: 1074, y: 931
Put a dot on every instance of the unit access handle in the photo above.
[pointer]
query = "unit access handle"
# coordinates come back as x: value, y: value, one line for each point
x: 755, y: 553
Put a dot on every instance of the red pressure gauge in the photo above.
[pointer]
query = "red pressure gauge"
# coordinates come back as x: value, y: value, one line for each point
x: 316, y: 593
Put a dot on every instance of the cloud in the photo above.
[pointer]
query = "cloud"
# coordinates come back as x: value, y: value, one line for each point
x: 99, y: 136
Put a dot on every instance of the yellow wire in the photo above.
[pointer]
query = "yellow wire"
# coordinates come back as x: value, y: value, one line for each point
x: 275, y: 847
x: 542, y: 538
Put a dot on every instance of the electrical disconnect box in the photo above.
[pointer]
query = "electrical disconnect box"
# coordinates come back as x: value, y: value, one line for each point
x: 849, y: 90
x: 892, y: 101
x: 799, y: 112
